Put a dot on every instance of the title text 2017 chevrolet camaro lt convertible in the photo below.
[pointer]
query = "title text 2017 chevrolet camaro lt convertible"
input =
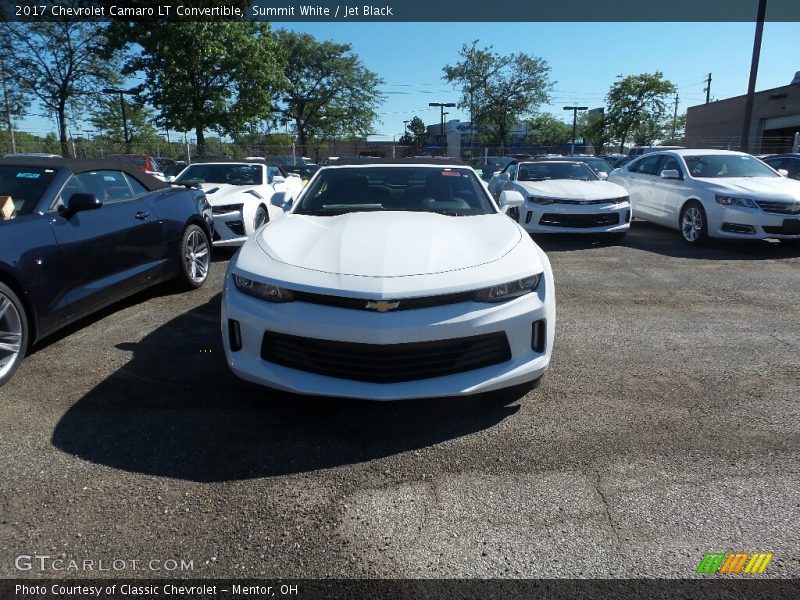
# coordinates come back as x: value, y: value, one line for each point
x: 76, y: 236
x: 387, y: 281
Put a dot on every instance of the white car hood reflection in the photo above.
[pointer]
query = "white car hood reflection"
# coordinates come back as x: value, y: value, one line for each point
x: 389, y: 244
x: 773, y: 188
x: 574, y: 189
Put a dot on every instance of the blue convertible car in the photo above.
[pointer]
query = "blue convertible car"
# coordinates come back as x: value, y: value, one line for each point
x: 76, y: 236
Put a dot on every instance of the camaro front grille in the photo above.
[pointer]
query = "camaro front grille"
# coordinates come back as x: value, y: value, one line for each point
x: 779, y: 208
x: 579, y: 221
x: 404, y: 304
x: 385, y: 363
x: 585, y: 202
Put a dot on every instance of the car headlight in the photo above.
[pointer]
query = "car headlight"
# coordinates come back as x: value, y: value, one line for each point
x: 271, y: 293
x: 733, y: 201
x: 226, y: 208
x: 507, y: 291
x: 540, y: 200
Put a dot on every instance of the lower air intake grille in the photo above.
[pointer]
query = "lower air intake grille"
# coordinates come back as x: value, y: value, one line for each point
x: 385, y: 363
x: 579, y: 220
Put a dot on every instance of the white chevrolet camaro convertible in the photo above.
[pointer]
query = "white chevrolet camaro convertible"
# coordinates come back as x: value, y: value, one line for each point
x: 390, y: 280
x: 241, y: 195
x: 565, y: 197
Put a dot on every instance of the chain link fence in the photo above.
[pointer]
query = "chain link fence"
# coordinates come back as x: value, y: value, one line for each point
x: 188, y: 151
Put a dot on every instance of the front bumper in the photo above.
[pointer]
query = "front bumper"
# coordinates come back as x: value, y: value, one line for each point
x: 229, y: 229
x: 752, y: 224
x: 575, y: 218
x: 514, y: 318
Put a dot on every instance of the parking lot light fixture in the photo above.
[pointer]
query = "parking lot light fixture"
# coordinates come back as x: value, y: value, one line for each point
x: 442, y: 106
x: 574, y: 110
x: 124, y: 115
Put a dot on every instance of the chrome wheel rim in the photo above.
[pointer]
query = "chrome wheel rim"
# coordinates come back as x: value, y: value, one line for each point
x: 10, y: 335
x: 197, y: 256
x: 692, y: 224
x: 261, y: 218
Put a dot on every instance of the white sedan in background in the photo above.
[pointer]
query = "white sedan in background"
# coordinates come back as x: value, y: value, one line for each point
x: 390, y: 280
x: 241, y: 195
x: 565, y: 197
x: 712, y: 193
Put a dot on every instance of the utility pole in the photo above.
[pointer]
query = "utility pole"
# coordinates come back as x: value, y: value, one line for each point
x: 8, y: 107
x: 674, y: 118
x: 751, y: 88
x: 124, y: 115
x: 574, y: 110
x: 707, y: 89
x: 442, y: 106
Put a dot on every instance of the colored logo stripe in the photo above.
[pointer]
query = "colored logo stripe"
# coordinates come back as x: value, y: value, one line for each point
x: 711, y: 562
x: 758, y: 563
x: 732, y: 563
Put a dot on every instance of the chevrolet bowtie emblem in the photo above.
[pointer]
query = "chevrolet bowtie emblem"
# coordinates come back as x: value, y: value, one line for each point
x: 382, y: 306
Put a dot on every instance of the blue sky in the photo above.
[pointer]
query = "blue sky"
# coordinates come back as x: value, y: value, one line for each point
x: 585, y: 59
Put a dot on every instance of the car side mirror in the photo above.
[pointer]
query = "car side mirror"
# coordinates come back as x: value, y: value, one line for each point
x: 280, y: 200
x: 80, y: 202
x: 783, y: 172
x: 602, y: 175
x: 510, y: 199
x: 670, y: 174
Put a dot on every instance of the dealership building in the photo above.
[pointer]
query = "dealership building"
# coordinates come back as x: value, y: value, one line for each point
x: 773, y: 129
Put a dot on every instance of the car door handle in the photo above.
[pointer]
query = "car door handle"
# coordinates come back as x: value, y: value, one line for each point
x: 142, y: 215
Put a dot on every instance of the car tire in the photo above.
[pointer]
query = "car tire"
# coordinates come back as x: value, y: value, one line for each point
x: 195, y: 258
x: 13, y: 333
x: 693, y: 223
x: 261, y: 218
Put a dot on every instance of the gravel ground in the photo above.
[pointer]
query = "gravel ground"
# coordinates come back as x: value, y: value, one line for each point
x: 666, y: 428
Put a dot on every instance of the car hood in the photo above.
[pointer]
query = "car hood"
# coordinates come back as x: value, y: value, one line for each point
x: 573, y: 190
x: 388, y: 244
x: 758, y: 187
x: 225, y: 193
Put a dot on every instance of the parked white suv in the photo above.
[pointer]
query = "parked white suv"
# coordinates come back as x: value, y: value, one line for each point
x: 712, y: 193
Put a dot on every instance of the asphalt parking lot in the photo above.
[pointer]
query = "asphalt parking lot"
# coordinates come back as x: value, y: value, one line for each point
x: 667, y: 427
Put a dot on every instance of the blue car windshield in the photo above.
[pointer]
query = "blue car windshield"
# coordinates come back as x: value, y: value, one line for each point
x: 448, y: 191
x: 25, y: 186
x: 727, y: 165
x: 222, y: 173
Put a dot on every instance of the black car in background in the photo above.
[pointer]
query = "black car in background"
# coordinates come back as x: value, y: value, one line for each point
x: 76, y: 236
x: 788, y: 162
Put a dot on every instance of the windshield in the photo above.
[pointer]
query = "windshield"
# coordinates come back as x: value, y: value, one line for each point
x: 25, y: 186
x: 727, y: 165
x: 544, y: 171
x: 447, y: 191
x: 598, y: 165
x: 218, y: 173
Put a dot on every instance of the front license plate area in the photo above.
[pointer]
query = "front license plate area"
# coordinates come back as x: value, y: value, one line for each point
x: 791, y: 226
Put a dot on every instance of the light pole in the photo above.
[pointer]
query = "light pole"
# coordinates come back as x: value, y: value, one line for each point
x: 442, y: 106
x: 574, y: 110
x: 744, y: 146
x: 124, y: 115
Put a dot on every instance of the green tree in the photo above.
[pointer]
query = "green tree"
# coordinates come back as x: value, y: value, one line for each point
x: 498, y: 90
x: 58, y: 63
x: 106, y: 119
x: 330, y: 93
x: 547, y: 130
x: 202, y: 76
x: 415, y: 136
x: 637, y: 103
x: 595, y: 130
